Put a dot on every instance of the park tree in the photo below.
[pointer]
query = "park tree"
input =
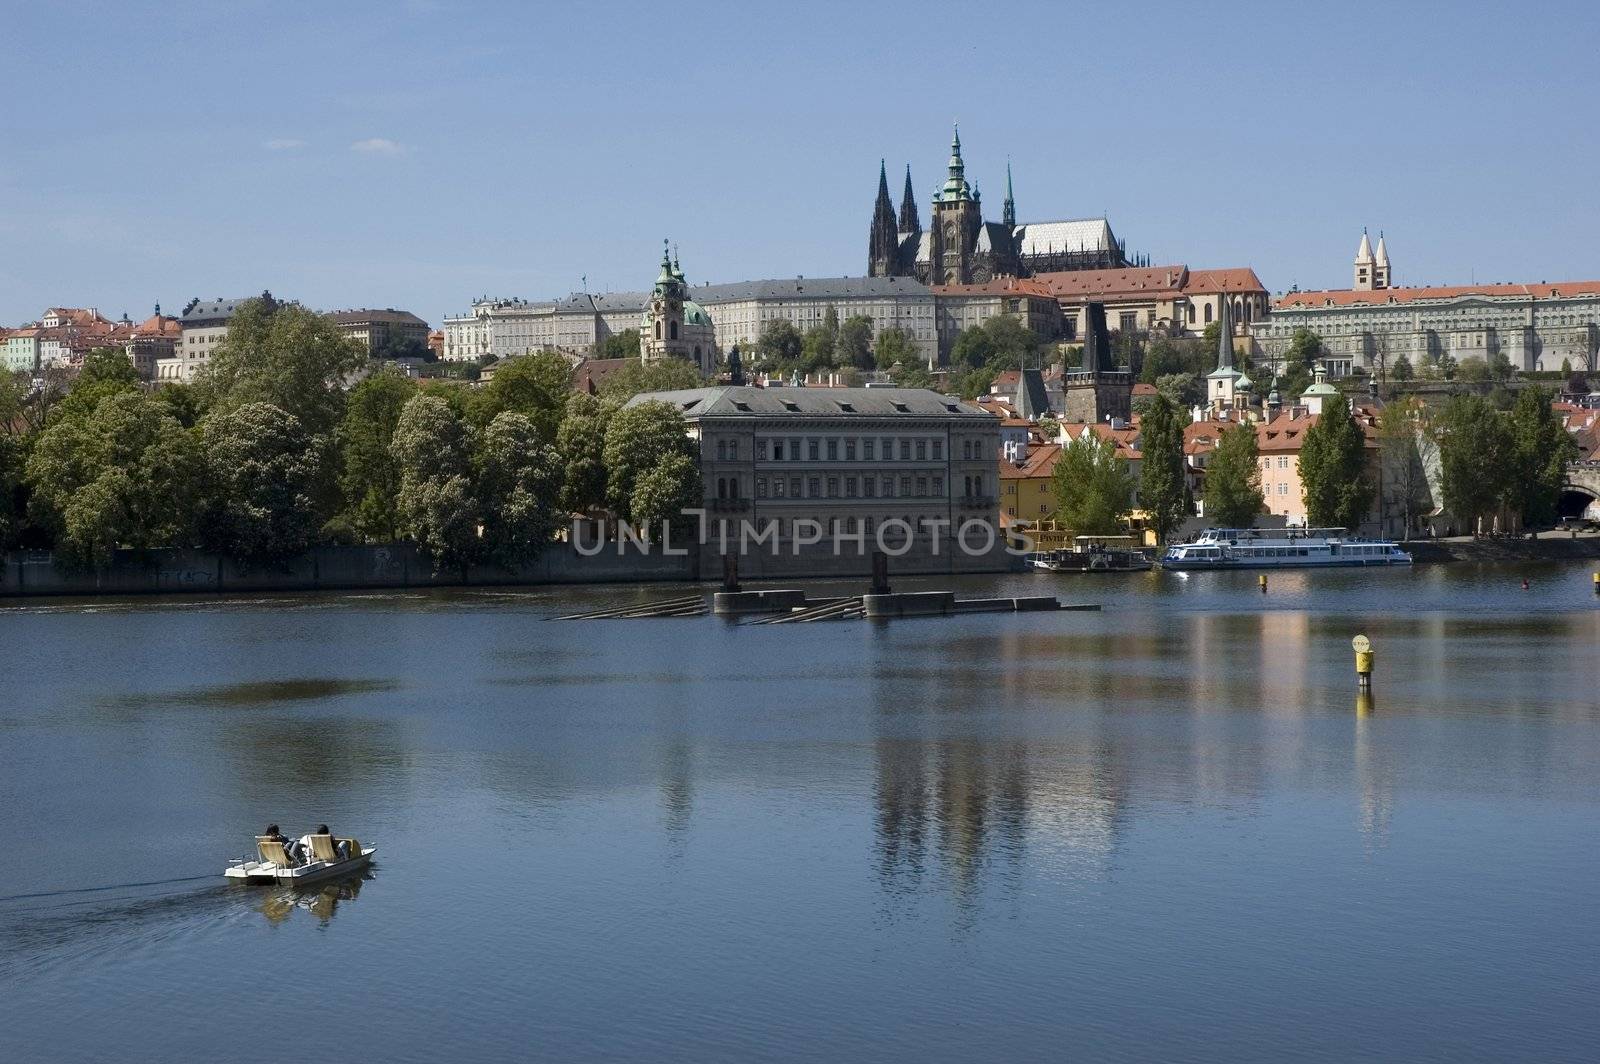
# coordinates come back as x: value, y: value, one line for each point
x: 264, y: 471
x: 1474, y: 371
x: 779, y: 344
x: 1476, y: 458
x: 581, y: 444
x: 122, y: 474
x: 369, y: 477
x: 911, y: 375
x: 973, y: 348
x: 438, y: 508
x: 895, y: 348
x: 1335, y: 486
x: 1401, y: 370
x: 283, y: 355
x: 973, y: 383
x: 1541, y: 448
x: 1182, y: 390
x: 106, y: 371
x: 663, y: 375
x: 663, y: 493
x: 1093, y: 486
x: 1161, y: 469
x: 535, y: 386
x: 1500, y: 367
x: 1404, y: 432
x: 819, y: 350
x: 641, y: 438
x: 1013, y: 345
x: 624, y: 344
x: 1293, y: 381
x: 519, y: 487
x: 1233, y: 480
x: 12, y: 460
x: 1305, y: 348
x: 855, y: 343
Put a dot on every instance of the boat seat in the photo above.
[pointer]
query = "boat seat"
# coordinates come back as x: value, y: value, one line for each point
x: 355, y: 847
x: 322, y: 848
x: 271, y: 851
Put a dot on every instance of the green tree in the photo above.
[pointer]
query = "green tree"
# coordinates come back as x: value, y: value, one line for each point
x: 663, y: 493
x: 855, y: 342
x: 437, y: 505
x: 1473, y: 371
x: 123, y: 474
x: 972, y: 383
x: 1500, y: 367
x: 666, y: 375
x: 1333, y: 470
x: 817, y: 349
x: 106, y: 371
x: 911, y: 375
x: 1293, y: 381
x: 1182, y: 390
x: 1475, y: 458
x: 283, y: 355
x: 1233, y: 481
x: 1305, y: 347
x: 519, y: 487
x: 535, y: 386
x: 1049, y: 427
x: 12, y: 459
x: 369, y: 476
x: 581, y: 443
x: 779, y: 344
x: 182, y: 402
x: 1541, y: 448
x: 896, y: 348
x: 1093, y: 487
x: 973, y: 348
x: 1404, y: 426
x: 264, y: 471
x: 1161, y: 469
x: 624, y: 344
x: 641, y: 438
x: 1012, y: 344
x: 1401, y: 370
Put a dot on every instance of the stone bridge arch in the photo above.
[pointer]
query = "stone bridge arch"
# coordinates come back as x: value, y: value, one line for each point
x: 1580, y: 491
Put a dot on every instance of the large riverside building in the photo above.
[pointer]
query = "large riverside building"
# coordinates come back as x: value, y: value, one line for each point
x: 1372, y: 325
x: 377, y: 330
x: 852, y: 460
x: 205, y: 325
x: 1157, y: 299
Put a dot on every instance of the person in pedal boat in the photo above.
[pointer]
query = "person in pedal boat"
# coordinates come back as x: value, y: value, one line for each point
x: 295, y: 850
x: 342, y: 849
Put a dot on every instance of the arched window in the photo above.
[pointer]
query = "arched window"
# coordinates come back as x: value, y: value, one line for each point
x: 1191, y: 313
x: 672, y: 329
x: 1208, y: 313
x: 1238, y: 311
x: 722, y: 450
x: 658, y: 328
x: 697, y: 353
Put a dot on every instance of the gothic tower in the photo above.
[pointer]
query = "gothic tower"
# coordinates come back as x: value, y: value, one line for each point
x: 1380, y: 265
x: 883, y: 246
x: 1365, y: 266
x: 956, y: 217
x: 910, y: 223
x: 1008, y: 211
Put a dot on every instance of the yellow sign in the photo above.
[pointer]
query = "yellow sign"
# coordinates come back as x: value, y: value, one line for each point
x: 1361, y: 644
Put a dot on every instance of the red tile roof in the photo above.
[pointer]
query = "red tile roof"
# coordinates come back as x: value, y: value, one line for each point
x: 999, y: 286
x: 1345, y: 297
x: 1040, y: 462
x: 1233, y: 279
x: 1131, y: 281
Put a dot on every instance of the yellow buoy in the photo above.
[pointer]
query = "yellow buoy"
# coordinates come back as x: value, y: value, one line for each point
x: 1363, y: 648
x: 1262, y: 580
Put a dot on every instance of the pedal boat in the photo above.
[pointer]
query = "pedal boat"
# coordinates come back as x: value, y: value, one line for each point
x: 272, y: 863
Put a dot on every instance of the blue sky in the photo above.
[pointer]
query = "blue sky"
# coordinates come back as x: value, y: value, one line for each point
x: 417, y: 154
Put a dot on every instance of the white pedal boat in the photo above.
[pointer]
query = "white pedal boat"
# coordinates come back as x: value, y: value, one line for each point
x: 273, y: 865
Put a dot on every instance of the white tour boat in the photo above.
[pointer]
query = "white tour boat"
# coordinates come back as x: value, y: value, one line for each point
x: 1280, y: 548
x: 274, y: 865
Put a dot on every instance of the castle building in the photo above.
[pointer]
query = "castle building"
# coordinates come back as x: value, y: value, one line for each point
x: 1375, y: 323
x: 1097, y: 391
x: 959, y: 247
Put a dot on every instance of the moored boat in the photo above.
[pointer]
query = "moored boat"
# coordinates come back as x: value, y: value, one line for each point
x: 1095, y: 554
x: 1280, y: 548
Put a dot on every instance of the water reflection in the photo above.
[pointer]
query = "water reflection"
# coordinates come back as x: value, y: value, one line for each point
x: 321, y: 900
x: 256, y: 692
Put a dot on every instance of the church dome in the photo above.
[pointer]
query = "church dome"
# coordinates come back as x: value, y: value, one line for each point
x: 694, y: 313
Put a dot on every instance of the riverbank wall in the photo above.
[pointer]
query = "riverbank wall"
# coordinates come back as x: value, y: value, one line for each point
x: 402, y: 565
x: 1545, y: 548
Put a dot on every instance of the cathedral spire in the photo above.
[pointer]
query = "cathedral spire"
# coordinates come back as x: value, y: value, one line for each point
x: 1008, y: 212
x: 1225, y: 335
x: 955, y: 187
x: 883, y: 242
x: 909, y: 221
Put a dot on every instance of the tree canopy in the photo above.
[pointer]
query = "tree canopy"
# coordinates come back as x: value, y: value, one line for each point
x: 1162, y: 482
x: 286, y: 356
x: 264, y: 471
x: 1093, y: 486
x: 1233, y: 481
x: 1333, y: 473
x: 369, y: 478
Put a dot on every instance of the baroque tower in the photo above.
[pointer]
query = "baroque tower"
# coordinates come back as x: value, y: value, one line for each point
x: 956, y: 218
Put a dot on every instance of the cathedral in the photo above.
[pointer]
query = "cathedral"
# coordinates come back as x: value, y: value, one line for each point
x: 959, y: 247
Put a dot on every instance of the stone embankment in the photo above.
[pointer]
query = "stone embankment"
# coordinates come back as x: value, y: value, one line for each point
x: 1549, y: 546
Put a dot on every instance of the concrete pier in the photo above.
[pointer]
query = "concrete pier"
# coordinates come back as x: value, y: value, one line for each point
x: 732, y: 603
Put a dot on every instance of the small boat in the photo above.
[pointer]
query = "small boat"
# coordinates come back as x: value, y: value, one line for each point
x: 1280, y: 548
x: 1095, y: 554
x: 273, y: 864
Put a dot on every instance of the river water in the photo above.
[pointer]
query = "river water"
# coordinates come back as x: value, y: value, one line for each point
x: 1162, y: 831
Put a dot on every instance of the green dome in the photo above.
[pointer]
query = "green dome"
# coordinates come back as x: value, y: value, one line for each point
x: 694, y: 313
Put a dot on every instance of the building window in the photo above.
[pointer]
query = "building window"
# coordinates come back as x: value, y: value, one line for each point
x: 905, y: 450
x: 849, y: 487
x: 1208, y: 313
x: 850, y: 450
x: 814, y: 487
x: 922, y: 450
x: 938, y: 450
x: 794, y: 487
x: 814, y: 449
x: 777, y: 450
x: 966, y: 449
x: 833, y: 487
x: 869, y: 486
x: 833, y: 450
x: 761, y: 487
x: 733, y: 450
x: 922, y: 487
x: 722, y: 450
x: 938, y: 486
x: 777, y: 487
x: 869, y: 448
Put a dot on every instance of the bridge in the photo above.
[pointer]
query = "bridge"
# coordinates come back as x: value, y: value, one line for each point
x: 1581, y: 488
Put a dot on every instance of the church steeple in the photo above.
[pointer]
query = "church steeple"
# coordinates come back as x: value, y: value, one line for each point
x: 909, y: 221
x: 1008, y: 210
x: 955, y: 186
x: 883, y: 243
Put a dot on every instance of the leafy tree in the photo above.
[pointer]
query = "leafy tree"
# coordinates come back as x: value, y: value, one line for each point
x: 1305, y: 347
x: 1404, y: 426
x: 283, y: 355
x: 973, y: 383
x: 182, y: 402
x: 624, y: 344
x: 1540, y: 450
x: 1476, y: 457
x: 1049, y: 427
x: 1293, y: 381
x: 264, y: 469
x: 666, y: 375
x: 639, y: 439
x: 106, y: 371
x: 1401, y: 370
x: 1566, y: 367
x: 1093, y: 486
x: 437, y: 505
x: 855, y: 342
x: 1474, y: 371
x: 1211, y: 334
x: 1500, y: 367
x: 519, y: 486
x: 817, y: 349
x: 911, y: 375
x: 663, y: 493
x: 779, y: 344
x: 370, y: 478
x: 1161, y: 470
x: 973, y: 347
x: 535, y: 386
x: 1182, y: 390
x: 11, y: 505
x: 1233, y: 480
x: 581, y: 443
x: 1333, y: 473
x: 123, y: 474
x: 895, y: 348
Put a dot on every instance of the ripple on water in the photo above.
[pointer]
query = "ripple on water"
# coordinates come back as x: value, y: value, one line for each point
x: 259, y: 692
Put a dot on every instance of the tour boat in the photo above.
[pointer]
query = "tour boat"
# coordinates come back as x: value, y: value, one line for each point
x: 1280, y: 548
x: 273, y: 864
x: 1095, y: 554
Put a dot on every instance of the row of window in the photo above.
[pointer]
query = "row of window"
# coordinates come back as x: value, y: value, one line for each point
x: 850, y: 449
x: 850, y: 526
x: 1283, y: 462
x: 866, y: 487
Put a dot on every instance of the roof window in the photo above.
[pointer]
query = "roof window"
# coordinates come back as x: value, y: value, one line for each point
x: 847, y: 408
x: 901, y: 407
x: 791, y: 406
